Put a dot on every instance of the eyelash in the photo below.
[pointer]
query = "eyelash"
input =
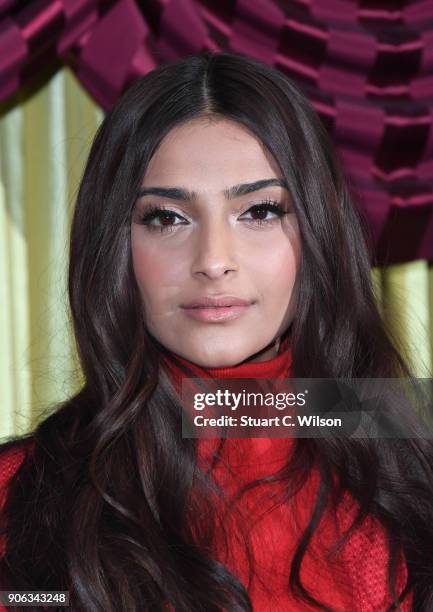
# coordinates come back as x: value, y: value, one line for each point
x: 155, y: 211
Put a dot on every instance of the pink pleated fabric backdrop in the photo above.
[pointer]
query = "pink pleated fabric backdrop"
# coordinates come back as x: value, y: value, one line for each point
x: 366, y: 66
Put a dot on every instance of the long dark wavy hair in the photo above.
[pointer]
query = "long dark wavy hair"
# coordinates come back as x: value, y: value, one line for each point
x: 104, y: 503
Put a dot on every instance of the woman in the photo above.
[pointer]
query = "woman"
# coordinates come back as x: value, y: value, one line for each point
x: 213, y: 178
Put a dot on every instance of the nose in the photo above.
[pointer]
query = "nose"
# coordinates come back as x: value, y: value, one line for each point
x: 214, y: 250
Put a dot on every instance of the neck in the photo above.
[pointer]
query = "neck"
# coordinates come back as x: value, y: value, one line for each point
x: 259, y: 366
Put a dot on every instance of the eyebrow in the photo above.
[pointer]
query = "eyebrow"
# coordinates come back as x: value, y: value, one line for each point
x: 180, y: 193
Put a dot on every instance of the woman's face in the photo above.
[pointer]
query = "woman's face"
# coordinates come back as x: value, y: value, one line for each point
x: 215, y: 238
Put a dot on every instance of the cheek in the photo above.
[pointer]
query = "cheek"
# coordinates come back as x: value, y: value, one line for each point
x: 151, y: 269
x: 158, y: 275
x: 276, y: 269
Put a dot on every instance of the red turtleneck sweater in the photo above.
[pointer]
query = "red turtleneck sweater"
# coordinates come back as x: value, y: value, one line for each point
x: 355, y: 581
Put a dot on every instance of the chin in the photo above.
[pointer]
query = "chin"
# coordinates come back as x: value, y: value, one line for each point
x: 217, y: 359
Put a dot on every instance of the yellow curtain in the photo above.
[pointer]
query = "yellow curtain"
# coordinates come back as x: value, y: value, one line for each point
x: 405, y: 296
x: 44, y: 141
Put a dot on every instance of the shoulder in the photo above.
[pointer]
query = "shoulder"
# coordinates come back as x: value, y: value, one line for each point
x: 360, y: 564
x: 12, y: 455
x: 366, y: 556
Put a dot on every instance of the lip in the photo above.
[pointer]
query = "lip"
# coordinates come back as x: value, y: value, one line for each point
x: 209, y: 301
x: 217, y: 314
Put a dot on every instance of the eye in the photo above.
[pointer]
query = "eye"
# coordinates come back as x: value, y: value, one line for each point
x: 163, y: 215
x: 263, y: 208
x: 160, y: 219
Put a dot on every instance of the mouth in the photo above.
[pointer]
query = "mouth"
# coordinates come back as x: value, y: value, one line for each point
x: 216, y: 301
x: 217, y: 313
x: 208, y: 307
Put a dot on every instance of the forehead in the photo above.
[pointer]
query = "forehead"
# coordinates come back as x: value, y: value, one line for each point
x: 210, y: 151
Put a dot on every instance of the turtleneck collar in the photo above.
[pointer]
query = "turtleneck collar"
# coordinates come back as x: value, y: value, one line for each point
x: 259, y: 451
